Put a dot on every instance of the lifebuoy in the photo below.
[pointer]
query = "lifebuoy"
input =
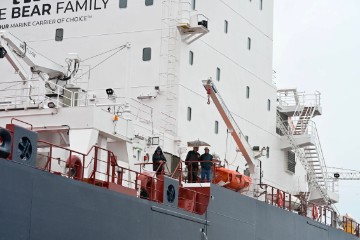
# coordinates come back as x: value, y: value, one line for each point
x: 75, y: 167
x: 315, y: 212
x: 279, y: 198
x: 5, y: 143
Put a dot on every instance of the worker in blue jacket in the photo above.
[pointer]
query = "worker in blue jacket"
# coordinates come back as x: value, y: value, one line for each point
x: 206, y: 164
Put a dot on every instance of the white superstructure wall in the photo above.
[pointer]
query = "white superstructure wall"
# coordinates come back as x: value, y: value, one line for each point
x: 243, y: 56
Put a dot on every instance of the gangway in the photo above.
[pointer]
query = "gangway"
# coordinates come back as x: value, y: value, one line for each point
x: 231, y: 124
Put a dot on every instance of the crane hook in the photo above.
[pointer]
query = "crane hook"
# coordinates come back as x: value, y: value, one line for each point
x: 208, y: 93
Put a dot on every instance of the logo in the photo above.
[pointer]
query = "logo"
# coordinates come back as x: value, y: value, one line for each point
x: 171, y: 194
x: 25, y: 149
x: 15, y: 2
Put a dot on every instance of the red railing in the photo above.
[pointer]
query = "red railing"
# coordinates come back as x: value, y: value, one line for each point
x: 99, y: 167
x: 285, y: 200
x: 277, y: 197
x: 189, y: 174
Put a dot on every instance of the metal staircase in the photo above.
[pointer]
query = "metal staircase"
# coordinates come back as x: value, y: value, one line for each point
x: 301, y: 156
x: 303, y: 119
x: 315, y: 157
x: 300, y: 109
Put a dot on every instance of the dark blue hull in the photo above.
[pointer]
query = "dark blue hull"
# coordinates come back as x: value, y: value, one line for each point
x: 39, y: 205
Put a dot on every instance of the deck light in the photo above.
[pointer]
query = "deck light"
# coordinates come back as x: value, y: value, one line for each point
x: 51, y: 105
x: 3, y: 52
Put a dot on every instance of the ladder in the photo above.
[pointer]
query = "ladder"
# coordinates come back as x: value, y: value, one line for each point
x: 169, y: 59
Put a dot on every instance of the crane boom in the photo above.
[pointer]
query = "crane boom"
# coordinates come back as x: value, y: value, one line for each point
x: 231, y: 124
x: 343, y: 175
x: 13, y: 49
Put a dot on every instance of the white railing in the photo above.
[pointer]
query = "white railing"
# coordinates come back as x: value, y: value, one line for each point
x: 312, y: 130
x: 312, y: 179
x: 16, y: 95
x: 290, y: 98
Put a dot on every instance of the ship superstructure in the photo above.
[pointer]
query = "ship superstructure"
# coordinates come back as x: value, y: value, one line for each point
x: 131, y: 81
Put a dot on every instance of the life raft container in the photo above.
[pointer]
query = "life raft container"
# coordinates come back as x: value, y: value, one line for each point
x: 232, y: 179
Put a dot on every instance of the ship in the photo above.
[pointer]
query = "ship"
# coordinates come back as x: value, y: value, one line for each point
x: 89, y: 91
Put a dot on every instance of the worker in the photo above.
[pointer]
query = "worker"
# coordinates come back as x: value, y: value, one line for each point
x: 192, y: 162
x: 206, y: 164
x: 159, y: 160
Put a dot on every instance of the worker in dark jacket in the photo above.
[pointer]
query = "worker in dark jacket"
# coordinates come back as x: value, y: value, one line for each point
x: 192, y: 163
x: 159, y: 160
x: 206, y: 164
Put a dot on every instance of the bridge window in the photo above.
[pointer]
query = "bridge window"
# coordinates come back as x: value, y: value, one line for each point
x: 249, y: 43
x: 122, y: 3
x: 191, y: 58
x: 59, y: 34
x: 218, y: 72
x: 268, y: 104
x: 189, y: 114
x: 226, y: 26
x: 247, y: 92
x: 146, y: 54
x: 216, y: 127
x: 149, y: 2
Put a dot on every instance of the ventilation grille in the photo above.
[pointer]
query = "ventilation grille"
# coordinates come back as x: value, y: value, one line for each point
x: 291, y: 161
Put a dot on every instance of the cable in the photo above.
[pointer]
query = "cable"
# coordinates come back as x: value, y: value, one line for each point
x: 226, y: 145
x: 122, y: 46
x: 103, y: 61
x: 343, y: 169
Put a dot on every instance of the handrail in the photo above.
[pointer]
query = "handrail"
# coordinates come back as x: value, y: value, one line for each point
x: 301, y: 156
x: 354, y: 227
x: 282, y: 199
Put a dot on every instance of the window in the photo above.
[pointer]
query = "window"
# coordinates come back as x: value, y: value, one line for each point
x: 149, y: 2
x: 191, y: 58
x: 247, y: 138
x: 193, y: 4
x: 261, y: 4
x: 146, y: 54
x: 268, y: 104
x: 267, y: 152
x: 218, y: 71
x: 189, y: 114
x: 249, y: 43
x: 216, y: 127
x: 226, y: 26
x: 247, y: 92
x: 291, y: 161
x: 59, y: 34
x: 122, y: 3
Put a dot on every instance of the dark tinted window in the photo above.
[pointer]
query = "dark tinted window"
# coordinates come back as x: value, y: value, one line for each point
x: 59, y: 35
x: 122, y: 3
x: 146, y: 54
